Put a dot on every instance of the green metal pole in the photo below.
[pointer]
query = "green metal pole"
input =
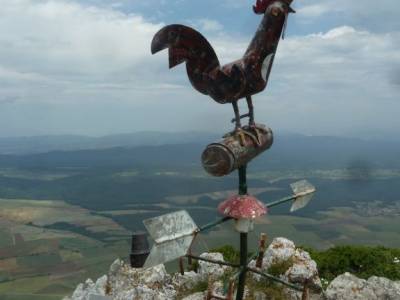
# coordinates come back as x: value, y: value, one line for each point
x: 243, y: 263
x: 243, y: 238
x: 243, y: 180
x: 281, y: 201
x: 214, y: 224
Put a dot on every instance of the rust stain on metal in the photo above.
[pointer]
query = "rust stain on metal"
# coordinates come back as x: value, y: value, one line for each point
x: 223, y: 157
x: 242, y: 78
x: 261, y: 250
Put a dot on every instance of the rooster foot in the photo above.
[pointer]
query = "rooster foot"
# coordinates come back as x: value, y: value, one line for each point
x: 257, y: 131
x: 253, y: 132
x: 239, y: 132
x: 242, y: 133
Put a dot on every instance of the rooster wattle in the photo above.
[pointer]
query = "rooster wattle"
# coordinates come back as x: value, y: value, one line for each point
x: 239, y: 79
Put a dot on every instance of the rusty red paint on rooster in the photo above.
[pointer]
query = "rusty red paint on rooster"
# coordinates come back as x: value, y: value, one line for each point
x: 239, y: 79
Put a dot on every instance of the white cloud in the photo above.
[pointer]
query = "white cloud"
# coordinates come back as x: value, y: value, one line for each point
x: 70, y: 43
x: 209, y: 25
x: 95, y: 64
x: 337, y: 82
x: 314, y: 10
x: 369, y: 14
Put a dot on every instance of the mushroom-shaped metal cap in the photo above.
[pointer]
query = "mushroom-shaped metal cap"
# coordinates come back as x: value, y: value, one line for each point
x: 242, y: 207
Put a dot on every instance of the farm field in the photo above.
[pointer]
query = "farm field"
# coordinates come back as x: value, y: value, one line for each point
x: 66, y: 215
x: 47, y: 247
x: 39, y: 262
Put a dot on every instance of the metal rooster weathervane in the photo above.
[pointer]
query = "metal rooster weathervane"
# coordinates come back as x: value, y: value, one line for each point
x: 174, y: 233
x: 239, y: 79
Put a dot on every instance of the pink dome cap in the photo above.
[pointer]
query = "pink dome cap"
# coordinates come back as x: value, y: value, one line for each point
x: 242, y: 207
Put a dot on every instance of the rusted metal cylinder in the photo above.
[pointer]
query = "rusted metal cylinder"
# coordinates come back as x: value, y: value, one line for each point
x: 140, y: 250
x: 223, y: 157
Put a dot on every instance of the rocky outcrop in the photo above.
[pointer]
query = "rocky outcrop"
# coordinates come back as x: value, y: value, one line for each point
x: 349, y: 287
x: 211, y: 271
x: 123, y: 282
x: 282, y: 258
x: 293, y: 265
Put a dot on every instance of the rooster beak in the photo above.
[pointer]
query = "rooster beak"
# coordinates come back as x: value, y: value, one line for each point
x: 291, y: 10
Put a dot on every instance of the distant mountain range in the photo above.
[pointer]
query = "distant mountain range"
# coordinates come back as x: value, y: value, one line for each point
x: 290, y: 151
x: 40, y: 144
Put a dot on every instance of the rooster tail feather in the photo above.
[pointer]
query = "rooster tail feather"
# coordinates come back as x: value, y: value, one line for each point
x: 176, y: 56
x: 187, y: 45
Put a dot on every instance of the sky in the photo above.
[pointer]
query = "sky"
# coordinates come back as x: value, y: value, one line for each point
x: 85, y: 67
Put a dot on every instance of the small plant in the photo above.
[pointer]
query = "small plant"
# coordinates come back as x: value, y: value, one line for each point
x: 271, y: 289
x: 200, y: 286
x: 229, y: 253
x: 280, y: 268
x: 108, y: 288
x: 361, y: 261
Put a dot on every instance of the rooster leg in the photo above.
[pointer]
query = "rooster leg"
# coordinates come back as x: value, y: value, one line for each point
x: 251, y: 111
x: 252, y: 123
x: 237, y: 115
x: 238, y: 125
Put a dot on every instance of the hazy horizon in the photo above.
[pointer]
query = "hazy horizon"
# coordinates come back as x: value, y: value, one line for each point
x: 364, y: 136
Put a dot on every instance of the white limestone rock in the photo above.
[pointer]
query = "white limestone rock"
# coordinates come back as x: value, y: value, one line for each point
x: 99, y: 297
x: 211, y: 270
x: 116, y: 266
x: 259, y: 296
x: 101, y: 285
x: 349, y: 287
x: 125, y: 283
x: 196, y: 296
x: 186, y: 281
x: 384, y: 288
x: 304, y: 270
x: 143, y: 292
x: 218, y: 288
x: 279, y: 250
x: 89, y: 290
x: 82, y: 290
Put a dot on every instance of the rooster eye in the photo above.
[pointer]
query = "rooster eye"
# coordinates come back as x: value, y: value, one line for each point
x: 171, y: 34
x: 275, y: 11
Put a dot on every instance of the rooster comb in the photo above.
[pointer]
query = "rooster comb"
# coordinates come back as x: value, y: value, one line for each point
x: 262, y: 5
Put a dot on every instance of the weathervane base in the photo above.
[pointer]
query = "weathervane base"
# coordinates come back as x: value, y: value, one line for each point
x: 233, y: 151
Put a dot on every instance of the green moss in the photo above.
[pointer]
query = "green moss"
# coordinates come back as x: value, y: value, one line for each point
x: 200, y: 286
x: 280, y: 268
x: 229, y: 253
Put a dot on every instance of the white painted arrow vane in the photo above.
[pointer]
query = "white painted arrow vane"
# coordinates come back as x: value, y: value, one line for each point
x: 303, y: 191
x: 173, y: 235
